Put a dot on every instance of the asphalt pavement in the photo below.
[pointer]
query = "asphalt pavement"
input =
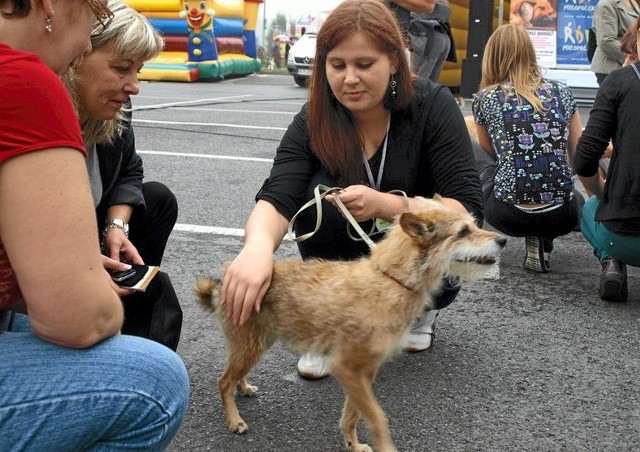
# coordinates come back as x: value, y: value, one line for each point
x: 521, y: 361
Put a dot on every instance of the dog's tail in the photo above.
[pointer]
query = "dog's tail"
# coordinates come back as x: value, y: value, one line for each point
x: 208, y: 293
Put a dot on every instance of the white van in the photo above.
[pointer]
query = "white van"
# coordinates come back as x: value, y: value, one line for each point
x: 301, y: 54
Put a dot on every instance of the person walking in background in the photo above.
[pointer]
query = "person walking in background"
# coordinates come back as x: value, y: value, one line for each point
x: 432, y: 41
x: 611, y: 217
x: 530, y: 126
x: 402, y: 10
x: 135, y: 218
x: 611, y: 19
x: 370, y: 128
x: 69, y: 380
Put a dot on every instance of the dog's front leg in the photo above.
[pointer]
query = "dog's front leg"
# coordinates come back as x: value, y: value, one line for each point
x: 356, y: 380
x: 349, y: 425
x: 246, y: 389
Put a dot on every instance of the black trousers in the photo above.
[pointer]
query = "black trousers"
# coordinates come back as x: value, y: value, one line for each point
x: 154, y: 314
x: 514, y: 222
x: 149, y: 229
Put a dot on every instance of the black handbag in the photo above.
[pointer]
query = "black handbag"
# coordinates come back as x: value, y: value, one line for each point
x: 155, y: 313
x: 591, y: 43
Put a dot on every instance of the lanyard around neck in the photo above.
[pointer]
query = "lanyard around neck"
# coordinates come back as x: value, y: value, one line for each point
x: 372, y: 182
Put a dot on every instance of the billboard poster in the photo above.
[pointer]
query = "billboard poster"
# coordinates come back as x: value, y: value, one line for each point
x: 574, y: 22
x: 540, y: 18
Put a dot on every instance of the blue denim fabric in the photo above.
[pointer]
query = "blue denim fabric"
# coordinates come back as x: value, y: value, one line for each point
x: 605, y: 243
x: 125, y: 393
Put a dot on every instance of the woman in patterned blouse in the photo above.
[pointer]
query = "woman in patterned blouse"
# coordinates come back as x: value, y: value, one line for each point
x: 530, y: 127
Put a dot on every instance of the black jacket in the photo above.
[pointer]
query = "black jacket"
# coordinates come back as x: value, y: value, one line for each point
x: 429, y: 151
x: 614, y: 116
x: 121, y: 171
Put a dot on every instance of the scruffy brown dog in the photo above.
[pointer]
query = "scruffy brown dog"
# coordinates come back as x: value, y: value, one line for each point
x: 355, y: 312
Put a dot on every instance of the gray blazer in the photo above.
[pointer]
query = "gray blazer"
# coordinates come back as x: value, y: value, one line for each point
x: 611, y: 19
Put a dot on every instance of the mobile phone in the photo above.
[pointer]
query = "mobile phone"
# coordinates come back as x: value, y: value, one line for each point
x: 122, y: 275
x: 137, y: 278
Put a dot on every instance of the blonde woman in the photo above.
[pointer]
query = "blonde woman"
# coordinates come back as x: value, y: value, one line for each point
x: 135, y: 219
x: 530, y: 126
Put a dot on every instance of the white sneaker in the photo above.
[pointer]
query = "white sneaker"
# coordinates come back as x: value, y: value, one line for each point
x: 313, y: 367
x: 420, y: 336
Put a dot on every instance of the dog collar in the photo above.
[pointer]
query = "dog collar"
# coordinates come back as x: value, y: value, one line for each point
x: 390, y: 276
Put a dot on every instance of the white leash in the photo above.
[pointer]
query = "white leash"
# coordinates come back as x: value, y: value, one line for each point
x: 319, y: 193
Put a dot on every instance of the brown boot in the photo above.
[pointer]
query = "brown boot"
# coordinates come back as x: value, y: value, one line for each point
x: 613, y: 281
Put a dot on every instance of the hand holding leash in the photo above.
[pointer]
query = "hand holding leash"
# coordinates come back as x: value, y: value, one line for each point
x: 321, y: 192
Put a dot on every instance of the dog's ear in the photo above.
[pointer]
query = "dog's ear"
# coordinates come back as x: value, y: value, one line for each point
x: 416, y: 226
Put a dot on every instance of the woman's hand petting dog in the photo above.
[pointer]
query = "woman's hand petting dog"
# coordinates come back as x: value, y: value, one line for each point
x: 242, y: 291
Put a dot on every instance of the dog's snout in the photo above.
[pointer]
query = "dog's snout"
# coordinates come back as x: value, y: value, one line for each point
x: 501, y: 241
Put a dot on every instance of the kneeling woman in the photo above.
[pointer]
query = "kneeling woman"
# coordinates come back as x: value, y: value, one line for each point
x: 135, y: 218
x: 527, y: 124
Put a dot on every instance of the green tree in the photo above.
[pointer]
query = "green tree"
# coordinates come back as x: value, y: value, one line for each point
x: 277, y: 26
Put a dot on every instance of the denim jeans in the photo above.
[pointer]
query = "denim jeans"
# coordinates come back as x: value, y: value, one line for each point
x: 125, y: 393
x: 605, y: 243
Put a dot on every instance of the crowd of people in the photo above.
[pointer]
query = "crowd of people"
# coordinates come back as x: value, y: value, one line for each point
x: 376, y: 124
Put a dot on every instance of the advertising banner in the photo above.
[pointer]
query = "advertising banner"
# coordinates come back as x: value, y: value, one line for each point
x: 539, y: 17
x: 574, y: 22
x: 558, y: 29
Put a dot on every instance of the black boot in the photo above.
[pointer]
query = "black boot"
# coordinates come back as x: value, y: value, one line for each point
x: 613, y: 281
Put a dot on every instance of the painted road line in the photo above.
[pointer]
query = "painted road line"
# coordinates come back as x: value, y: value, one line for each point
x: 206, y: 156
x: 192, y: 102
x: 206, y: 124
x: 493, y: 273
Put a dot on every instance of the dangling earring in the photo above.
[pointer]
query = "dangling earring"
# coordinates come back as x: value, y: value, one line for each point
x: 49, y: 26
x: 392, y: 87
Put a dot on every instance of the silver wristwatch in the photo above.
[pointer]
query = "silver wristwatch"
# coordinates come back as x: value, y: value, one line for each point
x: 118, y: 224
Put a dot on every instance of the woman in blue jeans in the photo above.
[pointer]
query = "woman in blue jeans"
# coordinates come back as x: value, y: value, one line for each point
x: 122, y: 393
x: 68, y: 379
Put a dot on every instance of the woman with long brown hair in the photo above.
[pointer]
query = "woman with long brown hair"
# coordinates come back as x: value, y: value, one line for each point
x: 611, y: 217
x: 370, y: 128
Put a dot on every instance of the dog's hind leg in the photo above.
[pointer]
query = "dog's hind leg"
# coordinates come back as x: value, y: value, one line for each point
x: 240, y: 361
x: 357, y: 382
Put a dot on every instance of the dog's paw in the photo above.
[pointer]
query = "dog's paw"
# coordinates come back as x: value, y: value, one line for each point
x: 247, y: 390
x: 238, y: 427
x: 358, y: 448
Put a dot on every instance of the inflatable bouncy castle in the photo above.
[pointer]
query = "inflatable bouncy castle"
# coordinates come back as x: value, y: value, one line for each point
x: 204, y: 39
